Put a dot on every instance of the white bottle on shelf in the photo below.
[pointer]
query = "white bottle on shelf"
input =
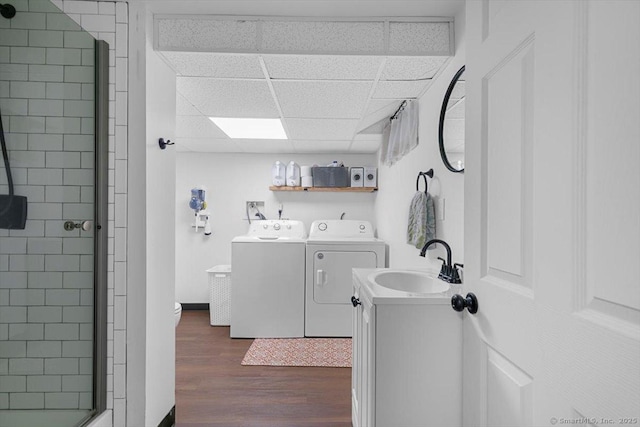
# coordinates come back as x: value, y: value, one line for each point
x: 293, y: 174
x: 278, y: 174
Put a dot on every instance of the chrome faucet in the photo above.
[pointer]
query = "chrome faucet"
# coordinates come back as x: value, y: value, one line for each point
x: 449, y: 273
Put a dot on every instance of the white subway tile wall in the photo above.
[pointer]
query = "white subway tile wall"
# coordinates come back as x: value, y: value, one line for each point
x: 46, y: 273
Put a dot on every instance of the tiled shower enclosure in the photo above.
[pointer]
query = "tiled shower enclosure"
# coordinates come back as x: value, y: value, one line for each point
x: 47, y: 272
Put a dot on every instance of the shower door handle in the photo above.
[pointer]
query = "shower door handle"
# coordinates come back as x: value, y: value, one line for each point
x: 84, y: 225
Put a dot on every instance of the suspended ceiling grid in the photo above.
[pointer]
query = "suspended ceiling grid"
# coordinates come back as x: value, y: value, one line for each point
x: 328, y: 102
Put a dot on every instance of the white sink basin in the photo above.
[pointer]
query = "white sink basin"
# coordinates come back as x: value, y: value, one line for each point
x: 409, y: 281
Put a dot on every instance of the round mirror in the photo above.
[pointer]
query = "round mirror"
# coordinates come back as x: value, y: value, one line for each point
x: 451, y: 128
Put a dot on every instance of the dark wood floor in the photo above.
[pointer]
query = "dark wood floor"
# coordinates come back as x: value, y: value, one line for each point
x: 213, y: 389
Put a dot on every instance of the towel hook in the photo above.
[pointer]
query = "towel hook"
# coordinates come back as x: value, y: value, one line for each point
x: 424, y: 175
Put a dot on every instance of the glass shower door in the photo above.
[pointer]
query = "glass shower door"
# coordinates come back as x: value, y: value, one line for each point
x: 48, y: 269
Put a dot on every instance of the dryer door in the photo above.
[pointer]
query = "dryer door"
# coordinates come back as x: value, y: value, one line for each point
x: 332, y: 274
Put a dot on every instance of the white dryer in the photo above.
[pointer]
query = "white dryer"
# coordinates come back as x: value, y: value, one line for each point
x: 267, y: 289
x: 334, y: 248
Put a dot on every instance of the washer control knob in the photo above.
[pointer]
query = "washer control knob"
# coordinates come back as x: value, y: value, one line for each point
x: 322, y: 226
x: 276, y: 226
x: 265, y: 226
x: 362, y: 226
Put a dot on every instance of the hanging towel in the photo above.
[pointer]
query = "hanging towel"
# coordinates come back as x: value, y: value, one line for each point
x: 422, y: 220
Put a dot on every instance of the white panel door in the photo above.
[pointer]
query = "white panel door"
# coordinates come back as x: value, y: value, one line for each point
x: 552, y: 213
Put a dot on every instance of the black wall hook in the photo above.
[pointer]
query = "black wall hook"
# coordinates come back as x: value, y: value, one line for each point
x: 424, y: 175
x: 163, y: 144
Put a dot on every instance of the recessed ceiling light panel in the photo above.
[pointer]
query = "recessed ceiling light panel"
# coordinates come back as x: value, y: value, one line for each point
x: 243, y: 128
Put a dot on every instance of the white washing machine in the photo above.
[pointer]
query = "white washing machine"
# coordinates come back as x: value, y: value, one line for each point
x: 334, y: 248
x: 267, y: 289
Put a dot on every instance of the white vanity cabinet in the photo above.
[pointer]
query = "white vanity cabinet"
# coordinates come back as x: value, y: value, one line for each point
x: 407, y: 358
x: 362, y: 370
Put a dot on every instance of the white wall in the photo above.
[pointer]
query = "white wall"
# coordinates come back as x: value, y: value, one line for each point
x: 136, y: 221
x: 232, y: 179
x: 161, y: 181
x: 151, y: 178
x: 397, y: 183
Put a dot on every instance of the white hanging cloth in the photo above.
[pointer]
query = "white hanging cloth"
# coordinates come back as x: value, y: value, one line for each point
x: 402, y: 135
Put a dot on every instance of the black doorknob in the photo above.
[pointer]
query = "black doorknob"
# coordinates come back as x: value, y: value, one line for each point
x: 355, y: 301
x: 470, y: 302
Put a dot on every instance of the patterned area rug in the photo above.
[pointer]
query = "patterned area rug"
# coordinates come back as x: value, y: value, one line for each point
x: 329, y: 352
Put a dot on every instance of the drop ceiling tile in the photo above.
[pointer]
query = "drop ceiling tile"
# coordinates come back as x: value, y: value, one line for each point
x: 264, y: 145
x: 344, y: 100
x: 383, y: 106
x: 321, y: 147
x: 185, y: 108
x: 229, y: 98
x: 206, y: 64
x: 402, y: 89
x: 321, y: 129
x: 382, y: 111
x: 209, y: 145
x: 197, y: 127
x: 411, y: 67
x: 322, y: 67
x: 426, y: 87
x: 365, y: 146
x: 206, y: 34
x: 322, y: 36
x: 424, y: 37
x: 373, y: 121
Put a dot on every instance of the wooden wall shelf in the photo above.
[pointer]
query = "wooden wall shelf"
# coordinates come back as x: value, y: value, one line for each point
x: 326, y: 189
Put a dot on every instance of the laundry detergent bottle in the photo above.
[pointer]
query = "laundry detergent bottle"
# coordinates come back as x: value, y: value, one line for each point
x: 293, y: 174
x: 278, y: 174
